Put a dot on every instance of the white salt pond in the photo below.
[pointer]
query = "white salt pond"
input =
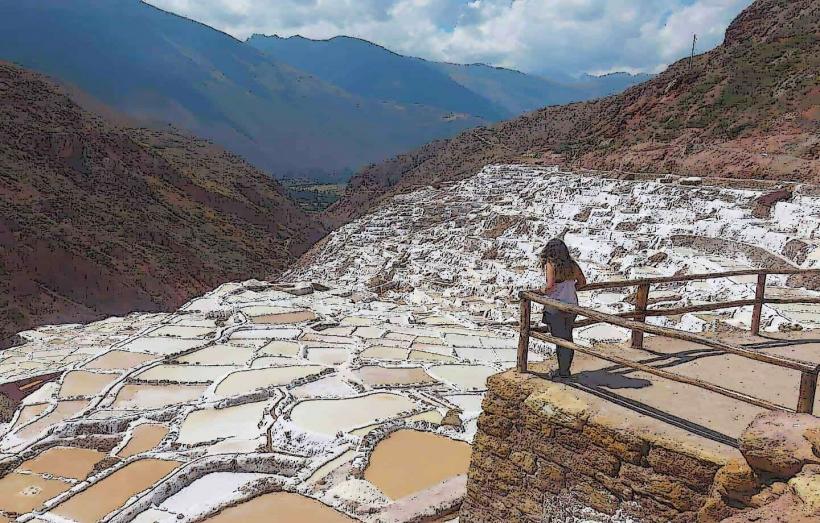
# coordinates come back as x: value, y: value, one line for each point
x: 245, y: 381
x: 220, y: 355
x: 212, y: 424
x: 464, y: 377
x: 210, y: 492
x: 329, y: 416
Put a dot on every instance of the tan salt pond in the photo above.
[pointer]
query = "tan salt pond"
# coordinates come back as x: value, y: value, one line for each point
x: 285, y: 317
x: 327, y: 355
x: 63, y: 411
x: 219, y: 355
x: 464, y: 377
x: 408, y: 461
x: 21, y: 493
x: 85, y: 383
x: 119, y: 359
x: 245, y: 381
x: 384, y: 353
x: 280, y: 348
x: 210, y: 424
x: 280, y: 507
x: 185, y: 373
x: 328, y: 416
x: 101, y: 498
x: 151, y: 396
x: 144, y: 437
x: 420, y: 355
x: 28, y: 413
x: 375, y: 375
x: 64, y: 462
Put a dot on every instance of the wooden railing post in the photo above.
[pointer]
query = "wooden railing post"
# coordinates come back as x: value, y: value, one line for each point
x: 760, y: 295
x: 524, y: 334
x: 641, y: 300
x: 808, y: 389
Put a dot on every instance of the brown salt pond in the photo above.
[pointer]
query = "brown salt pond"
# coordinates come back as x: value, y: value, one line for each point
x: 284, y: 317
x: 143, y: 438
x: 28, y: 413
x: 101, y: 498
x: 85, y: 383
x: 377, y: 376
x: 21, y: 493
x: 409, y: 461
x: 329, y: 416
x: 119, y: 359
x: 64, y: 462
x: 245, y: 381
x: 280, y: 507
x: 150, y: 396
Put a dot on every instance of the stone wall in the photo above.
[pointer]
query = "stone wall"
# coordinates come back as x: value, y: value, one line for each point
x: 545, y: 451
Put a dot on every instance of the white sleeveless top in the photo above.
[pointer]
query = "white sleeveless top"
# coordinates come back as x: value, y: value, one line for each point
x: 564, y: 292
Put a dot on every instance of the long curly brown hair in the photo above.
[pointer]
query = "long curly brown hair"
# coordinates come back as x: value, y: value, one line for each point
x: 557, y: 253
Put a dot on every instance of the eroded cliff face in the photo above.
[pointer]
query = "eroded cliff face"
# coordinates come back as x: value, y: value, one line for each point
x: 547, y: 451
x: 747, y: 109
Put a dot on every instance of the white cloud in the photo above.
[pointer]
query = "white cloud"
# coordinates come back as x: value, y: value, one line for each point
x: 540, y: 36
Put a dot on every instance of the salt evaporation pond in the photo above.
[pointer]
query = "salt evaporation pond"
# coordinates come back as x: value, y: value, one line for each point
x: 137, y: 396
x: 144, y: 437
x: 95, y: 502
x: 333, y: 415
x: 231, y: 422
x: 408, y: 461
x: 378, y: 376
x: 280, y: 507
x: 464, y: 377
x: 65, y: 462
x: 246, y: 381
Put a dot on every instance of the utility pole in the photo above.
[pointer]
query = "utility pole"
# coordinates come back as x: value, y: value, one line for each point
x: 692, y: 56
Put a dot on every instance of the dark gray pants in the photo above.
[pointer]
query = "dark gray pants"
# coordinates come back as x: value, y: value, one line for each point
x: 560, y: 324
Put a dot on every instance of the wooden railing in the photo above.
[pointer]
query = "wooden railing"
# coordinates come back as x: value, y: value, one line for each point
x: 635, y: 321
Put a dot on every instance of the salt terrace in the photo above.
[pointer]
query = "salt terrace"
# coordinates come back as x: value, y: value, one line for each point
x: 352, y: 391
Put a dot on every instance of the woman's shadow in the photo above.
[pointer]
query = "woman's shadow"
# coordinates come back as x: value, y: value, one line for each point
x: 614, y: 377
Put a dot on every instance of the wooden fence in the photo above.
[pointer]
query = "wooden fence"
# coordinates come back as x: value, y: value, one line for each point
x: 635, y: 321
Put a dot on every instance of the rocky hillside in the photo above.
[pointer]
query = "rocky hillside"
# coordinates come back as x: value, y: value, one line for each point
x: 97, y: 219
x: 749, y: 108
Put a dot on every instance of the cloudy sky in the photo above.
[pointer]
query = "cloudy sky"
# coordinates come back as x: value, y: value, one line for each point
x: 535, y: 36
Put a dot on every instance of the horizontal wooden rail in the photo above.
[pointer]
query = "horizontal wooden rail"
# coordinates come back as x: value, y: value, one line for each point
x: 659, y: 372
x: 693, y: 277
x: 703, y: 307
x: 671, y: 333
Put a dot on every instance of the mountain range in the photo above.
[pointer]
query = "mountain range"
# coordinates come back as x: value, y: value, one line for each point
x: 371, y: 71
x: 284, y: 111
x: 750, y: 108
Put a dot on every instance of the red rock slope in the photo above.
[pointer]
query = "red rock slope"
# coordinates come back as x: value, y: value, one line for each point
x: 97, y: 219
x: 749, y: 108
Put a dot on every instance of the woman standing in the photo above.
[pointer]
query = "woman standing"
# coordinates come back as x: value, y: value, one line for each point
x: 564, y: 276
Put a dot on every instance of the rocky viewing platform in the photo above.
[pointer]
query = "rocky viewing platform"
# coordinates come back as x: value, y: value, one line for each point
x: 368, y: 383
